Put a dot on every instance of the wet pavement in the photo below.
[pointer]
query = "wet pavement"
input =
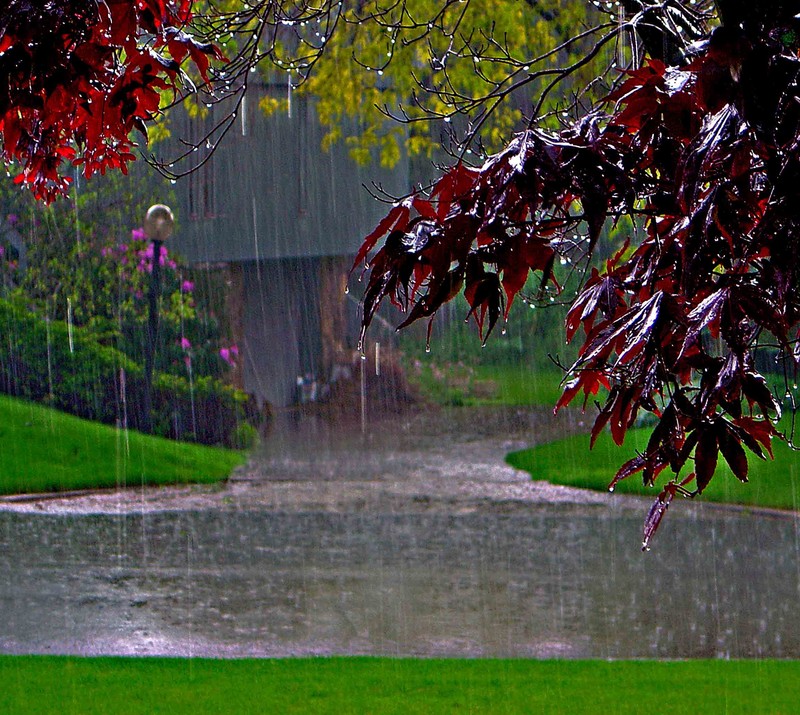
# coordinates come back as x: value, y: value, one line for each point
x: 414, y: 539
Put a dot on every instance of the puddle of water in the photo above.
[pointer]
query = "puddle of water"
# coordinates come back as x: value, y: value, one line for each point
x: 557, y: 581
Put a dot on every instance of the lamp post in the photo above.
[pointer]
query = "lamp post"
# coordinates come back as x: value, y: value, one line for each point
x: 158, y: 225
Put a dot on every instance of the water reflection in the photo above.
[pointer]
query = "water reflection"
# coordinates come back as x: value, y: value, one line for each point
x: 553, y: 581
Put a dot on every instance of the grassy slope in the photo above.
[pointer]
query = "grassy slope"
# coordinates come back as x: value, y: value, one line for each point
x: 569, y: 461
x: 35, y: 684
x: 45, y: 450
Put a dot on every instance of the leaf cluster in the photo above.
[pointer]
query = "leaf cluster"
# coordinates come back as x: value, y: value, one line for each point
x: 703, y: 159
x: 77, y: 78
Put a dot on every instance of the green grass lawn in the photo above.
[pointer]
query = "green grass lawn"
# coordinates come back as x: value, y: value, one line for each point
x: 35, y: 684
x: 43, y: 450
x: 569, y: 461
x: 460, y: 385
x: 519, y: 385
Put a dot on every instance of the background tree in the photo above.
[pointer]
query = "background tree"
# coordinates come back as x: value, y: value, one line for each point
x: 400, y: 68
x: 443, y: 68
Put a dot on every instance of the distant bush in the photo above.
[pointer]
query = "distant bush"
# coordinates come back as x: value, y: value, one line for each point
x: 244, y: 436
x: 207, y: 411
x: 69, y: 369
x: 102, y: 285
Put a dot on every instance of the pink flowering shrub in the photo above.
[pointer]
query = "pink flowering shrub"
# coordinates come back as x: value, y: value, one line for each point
x: 103, y: 285
x: 229, y: 355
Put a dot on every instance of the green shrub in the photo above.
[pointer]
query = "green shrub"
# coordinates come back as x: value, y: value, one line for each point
x: 207, y: 411
x: 244, y: 436
x: 103, y: 285
x: 68, y: 369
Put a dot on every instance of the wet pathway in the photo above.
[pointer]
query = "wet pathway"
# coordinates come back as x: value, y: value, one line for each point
x: 424, y: 544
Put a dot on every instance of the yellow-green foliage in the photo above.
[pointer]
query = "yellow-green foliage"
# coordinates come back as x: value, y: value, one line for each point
x: 354, y: 86
x: 423, y: 58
